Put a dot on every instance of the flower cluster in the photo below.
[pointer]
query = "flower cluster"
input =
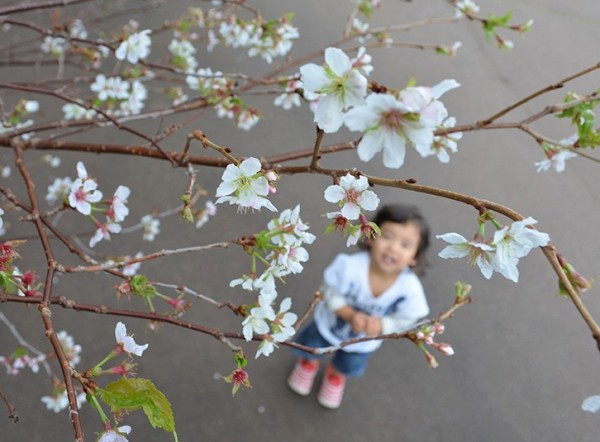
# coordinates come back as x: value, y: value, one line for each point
x: 502, y: 252
x: 389, y: 120
x: 424, y: 336
x: 83, y: 198
x: 353, y: 198
x: 183, y: 55
x: 57, y: 45
x: 274, y: 327
x: 245, y: 185
x: 120, y: 97
x: 14, y: 120
x: 268, y: 39
x: 59, y: 400
x: 21, y: 359
x: 281, y: 249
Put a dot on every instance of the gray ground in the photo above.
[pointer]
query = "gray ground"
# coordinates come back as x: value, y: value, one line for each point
x: 524, y: 359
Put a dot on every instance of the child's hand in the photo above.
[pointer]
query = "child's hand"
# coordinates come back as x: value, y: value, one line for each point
x: 359, y: 322
x: 373, y: 326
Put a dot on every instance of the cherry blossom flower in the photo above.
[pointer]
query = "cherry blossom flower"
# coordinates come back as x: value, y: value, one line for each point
x: 290, y: 98
x: 132, y: 269
x: 557, y: 155
x: 183, y: 52
x: 74, y: 111
x: 118, y: 210
x: 514, y: 242
x: 247, y: 184
x: 59, y: 401
x: 5, y: 171
x: 339, y: 84
x: 107, y: 88
x: 103, y: 231
x: 247, y: 119
x: 480, y: 253
x: 117, y: 435
x: 126, y: 342
x: 151, y: 227
x: 59, y: 190
x: 1, y: 220
x: 444, y: 143
x: 555, y: 160
x: 362, y: 62
x: 389, y: 123
x: 464, y: 7
x: 55, y: 46
x: 290, y: 228
x: 135, y: 48
x: 209, y: 210
x: 134, y: 103
x: 72, y: 351
x: 284, y: 321
x: 266, y: 347
x: 256, y: 321
x: 352, y: 195
x: 83, y: 192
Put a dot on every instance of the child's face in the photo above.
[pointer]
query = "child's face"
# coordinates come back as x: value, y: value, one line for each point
x: 396, y: 248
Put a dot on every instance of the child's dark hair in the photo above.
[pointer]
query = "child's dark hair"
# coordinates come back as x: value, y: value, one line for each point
x: 402, y: 214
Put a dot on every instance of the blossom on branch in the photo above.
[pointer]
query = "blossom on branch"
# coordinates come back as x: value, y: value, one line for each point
x: 339, y: 84
x: 282, y: 325
x: 83, y: 191
x: 514, y: 242
x: 151, y: 227
x: 502, y: 253
x: 352, y: 196
x: 245, y: 186
x: 126, y: 342
x: 256, y: 321
x: 480, y: 253
x: 389, y: 123
x: 135, y: 48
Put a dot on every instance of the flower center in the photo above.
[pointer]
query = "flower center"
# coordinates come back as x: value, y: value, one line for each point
x: 352, y: 195
x: 392, y: 119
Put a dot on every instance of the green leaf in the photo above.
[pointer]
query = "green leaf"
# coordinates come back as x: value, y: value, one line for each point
x: 131, y: 394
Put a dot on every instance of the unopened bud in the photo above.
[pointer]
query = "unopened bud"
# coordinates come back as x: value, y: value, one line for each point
x: 443, y: 348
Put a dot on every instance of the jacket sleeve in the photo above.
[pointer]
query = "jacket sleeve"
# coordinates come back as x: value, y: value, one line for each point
x: 335, y: 283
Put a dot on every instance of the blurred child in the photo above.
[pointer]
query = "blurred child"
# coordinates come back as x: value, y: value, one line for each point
x: 370, y: 293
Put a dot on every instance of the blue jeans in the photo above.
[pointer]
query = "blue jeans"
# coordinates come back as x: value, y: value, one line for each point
x: 348, y: 363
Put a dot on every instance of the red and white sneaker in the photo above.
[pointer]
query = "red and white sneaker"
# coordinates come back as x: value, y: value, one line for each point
x: 303, y: 376
x: 332, y: 389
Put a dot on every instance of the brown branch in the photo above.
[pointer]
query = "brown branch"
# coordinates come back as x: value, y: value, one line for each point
x: 318, y: 297
x: 11, y: 410
x: 44, y: 306
x: 29, y: 6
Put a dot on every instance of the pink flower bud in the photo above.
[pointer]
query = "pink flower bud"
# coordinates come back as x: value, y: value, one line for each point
x: 431, y: 360
x: 271, y: 175
x: 438, y: 328
x: 444, y: 348
x: 272, y: 189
